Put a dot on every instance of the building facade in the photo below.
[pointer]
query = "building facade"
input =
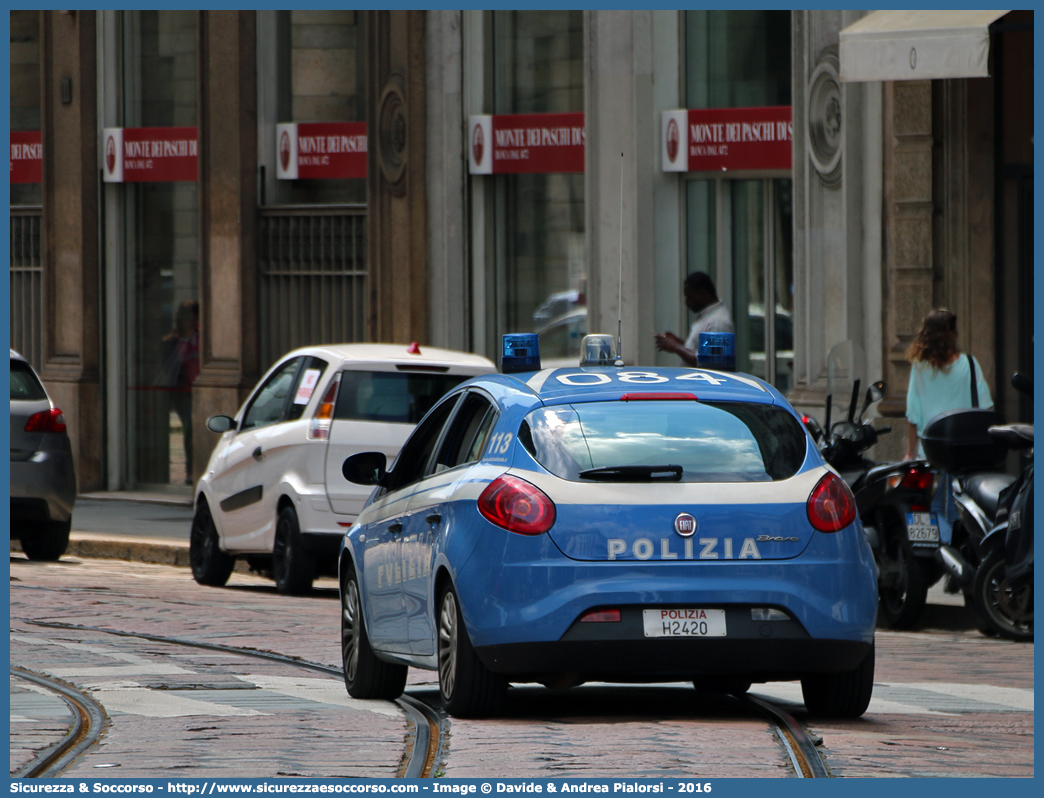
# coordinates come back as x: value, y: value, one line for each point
x: 151, y: 298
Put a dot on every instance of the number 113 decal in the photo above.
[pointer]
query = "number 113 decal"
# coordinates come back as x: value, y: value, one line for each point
x: 499, y: 443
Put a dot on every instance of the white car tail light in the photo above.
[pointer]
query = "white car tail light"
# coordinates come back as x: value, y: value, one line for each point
x: 319, y: 429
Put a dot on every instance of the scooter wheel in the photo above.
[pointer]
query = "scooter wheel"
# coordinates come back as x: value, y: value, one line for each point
x: 1008, y: 612
x: 903, y: 603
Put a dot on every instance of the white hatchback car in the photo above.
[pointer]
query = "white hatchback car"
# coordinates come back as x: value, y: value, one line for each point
x: 273, y: 492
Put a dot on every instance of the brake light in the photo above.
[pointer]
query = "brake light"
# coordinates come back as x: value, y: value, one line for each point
x: 917, y: 479
x: 517, y: 506
x: 831, y: 505
x: 658, y: 397
x: 319, y: 429
x: 46, y: 421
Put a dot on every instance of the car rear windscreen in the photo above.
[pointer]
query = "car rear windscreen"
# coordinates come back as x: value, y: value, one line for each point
x: 396, y: 397
x: 25, y: 387
x: 711, y: 442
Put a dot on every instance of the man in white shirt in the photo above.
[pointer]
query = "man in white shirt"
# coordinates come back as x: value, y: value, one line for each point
x: 701, y: 297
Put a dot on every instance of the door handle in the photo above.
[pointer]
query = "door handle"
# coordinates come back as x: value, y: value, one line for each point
x: 395, y: 527
x: 433, y: 518
x: 257, y: 454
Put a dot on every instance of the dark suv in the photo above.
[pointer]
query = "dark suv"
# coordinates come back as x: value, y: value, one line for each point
x: 43, y: 482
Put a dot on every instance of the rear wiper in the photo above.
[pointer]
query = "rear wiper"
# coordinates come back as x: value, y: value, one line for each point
x: 626, y: 473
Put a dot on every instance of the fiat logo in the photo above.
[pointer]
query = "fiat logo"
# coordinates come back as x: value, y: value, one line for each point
x: 284, y: 150
x: 672, y: 150
x: 477, y: 144
x: 110, y: 154
x: 685, y: 525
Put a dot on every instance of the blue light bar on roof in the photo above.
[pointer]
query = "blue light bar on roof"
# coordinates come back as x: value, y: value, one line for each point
x: 521, y: 352
x: 716, y: 351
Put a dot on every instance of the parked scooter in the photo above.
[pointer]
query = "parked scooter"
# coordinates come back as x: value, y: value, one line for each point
x: 893, y: 501
x: 991, y: 554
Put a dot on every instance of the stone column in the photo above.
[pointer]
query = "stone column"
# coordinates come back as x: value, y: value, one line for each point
x: 71, y: 339
x: 227, y: 220
x: 449, y: 304
x: 397, y: 223
x: 620, y: 119
x: 908, y: 285
x: 837, y: 220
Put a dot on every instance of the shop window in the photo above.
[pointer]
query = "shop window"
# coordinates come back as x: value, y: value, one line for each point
x: 161, y: 253
x: 541, y: 269
x: 321, y: 75
x: 741, y: 231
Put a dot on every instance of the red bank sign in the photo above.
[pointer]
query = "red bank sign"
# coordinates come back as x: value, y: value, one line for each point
x: 320, y: 150
x: 150, y: 154
x: 526, y: 144
x: 728, y: 139
x: 26, y: 156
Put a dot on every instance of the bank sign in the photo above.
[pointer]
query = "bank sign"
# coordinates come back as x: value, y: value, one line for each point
x: 512, y: 144
x: 320, y: 150
x: 26, y: 156
x: 727, y: 139
x: 150, y: 154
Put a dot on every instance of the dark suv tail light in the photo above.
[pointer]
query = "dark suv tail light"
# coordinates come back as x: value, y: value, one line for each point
x: 517, y: 506
x: 46, y: 421
x: 831, y: 505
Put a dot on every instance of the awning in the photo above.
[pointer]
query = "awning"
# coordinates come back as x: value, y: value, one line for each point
x: 917, y: 45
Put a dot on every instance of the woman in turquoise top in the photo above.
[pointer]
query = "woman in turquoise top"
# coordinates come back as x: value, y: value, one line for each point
x: 940, y: 380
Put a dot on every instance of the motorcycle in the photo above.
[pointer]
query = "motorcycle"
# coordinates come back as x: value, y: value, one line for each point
x: 991, y: 553
x: 893, y: 501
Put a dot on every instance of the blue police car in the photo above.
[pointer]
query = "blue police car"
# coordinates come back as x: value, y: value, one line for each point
x: 613, y: 524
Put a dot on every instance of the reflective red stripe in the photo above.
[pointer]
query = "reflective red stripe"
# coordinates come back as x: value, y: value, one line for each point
x: 661, y: 397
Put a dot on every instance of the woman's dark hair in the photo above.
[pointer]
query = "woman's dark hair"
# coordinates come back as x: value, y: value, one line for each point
x: 935, y: 342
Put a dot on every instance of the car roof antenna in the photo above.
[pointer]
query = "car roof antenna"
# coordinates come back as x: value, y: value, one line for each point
x: 619, y: 302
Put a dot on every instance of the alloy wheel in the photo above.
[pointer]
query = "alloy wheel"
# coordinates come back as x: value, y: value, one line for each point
x: 448, y: 644
x: 350, y: 630
x: 1008, y: 607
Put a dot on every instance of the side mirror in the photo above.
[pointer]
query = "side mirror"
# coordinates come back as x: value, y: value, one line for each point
x: 367, y: 468
x: 875, y: 393
x: 220, y: 424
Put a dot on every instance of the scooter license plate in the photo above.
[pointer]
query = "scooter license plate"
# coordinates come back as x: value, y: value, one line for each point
x: 922, y: 527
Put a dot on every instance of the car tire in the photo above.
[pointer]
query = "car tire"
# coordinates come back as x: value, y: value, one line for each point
x: 47, y: 540
x: 1007, y: 612
x: 210, y: 565
x: 840, y: 695
x: 293, y: 568
x: 902, y: 605
x: 467, y: 687
x: 365, y: 676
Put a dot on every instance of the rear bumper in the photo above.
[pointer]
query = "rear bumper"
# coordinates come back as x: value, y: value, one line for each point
x: 674, y: 660
x: 43, y: 488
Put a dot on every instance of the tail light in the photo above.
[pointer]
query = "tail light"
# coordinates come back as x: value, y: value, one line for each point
x: 831, y: 505
x: 319, y: 429
x: 917, y: 479
x: 517, y: 506
x: 46, y: 421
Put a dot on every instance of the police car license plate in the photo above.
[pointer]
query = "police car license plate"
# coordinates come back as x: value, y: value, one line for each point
x: 684, y: 623
x: 922, y: 527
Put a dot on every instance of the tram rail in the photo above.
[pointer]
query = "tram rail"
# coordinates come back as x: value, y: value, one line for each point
x: 428, y: 724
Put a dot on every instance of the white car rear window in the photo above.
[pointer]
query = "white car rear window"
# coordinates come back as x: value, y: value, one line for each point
x: 388, y: 396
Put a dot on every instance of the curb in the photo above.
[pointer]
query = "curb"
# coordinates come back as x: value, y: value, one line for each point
x: 147, y: 550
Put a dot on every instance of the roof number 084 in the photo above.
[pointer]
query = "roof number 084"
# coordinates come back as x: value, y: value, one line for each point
x: 640, y: 377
